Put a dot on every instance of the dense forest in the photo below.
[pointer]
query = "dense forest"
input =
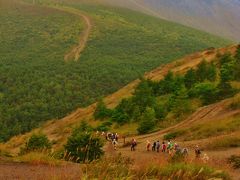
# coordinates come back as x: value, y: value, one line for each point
x: 175, y: 96
x: 36, y: 84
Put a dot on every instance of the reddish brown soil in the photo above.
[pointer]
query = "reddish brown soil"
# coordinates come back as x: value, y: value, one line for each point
x: 20, y: 171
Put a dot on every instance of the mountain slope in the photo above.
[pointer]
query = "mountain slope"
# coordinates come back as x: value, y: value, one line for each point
x: 217, y: 17
x: 59, y: 130
x: 37, y: 84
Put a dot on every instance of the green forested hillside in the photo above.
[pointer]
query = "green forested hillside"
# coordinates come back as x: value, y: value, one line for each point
x: 36, y: 84
x: 158, y: 104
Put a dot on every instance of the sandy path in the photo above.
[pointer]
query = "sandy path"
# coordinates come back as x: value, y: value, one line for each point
x: 141, y: 157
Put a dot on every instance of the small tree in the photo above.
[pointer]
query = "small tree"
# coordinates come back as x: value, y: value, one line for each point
x: 143, y: 96
x: 37, y: 142
x: 181, y: 103
x: 148, y: 121
x: 226, y: 58
x: 160, y: 111
x: 211, y: 73
x: 201, y: 71
x: 83, y: 146
x: 207, y: 92
x: 120, y: 117
x: 227, y: 71
x: 102, y: 111
x: 167, y: 85
x: 190, y: 78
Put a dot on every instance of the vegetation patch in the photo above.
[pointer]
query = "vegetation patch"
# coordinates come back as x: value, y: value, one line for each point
x: 173, y: 135
x: 122, y: 45
x: 224, y: 143
x: 38, y: 158
x: 83, y: 145
x: 236, y: 102
x: 37, y: 142
x: 155, y: 104
x: 212, y: 128
x: 121, y: 167
x: 235, y: 161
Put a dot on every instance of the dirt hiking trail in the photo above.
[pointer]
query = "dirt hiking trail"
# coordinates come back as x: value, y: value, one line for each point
x: 75, y: 52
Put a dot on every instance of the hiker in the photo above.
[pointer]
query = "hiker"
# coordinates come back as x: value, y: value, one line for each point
x: 197, y: 151
x: 154, y: 146
x: 185, y: 152
x: 164, y: 147
x: 112, y: 136
x: 133, y: 144
x: 158, y: 146
x: 170, y: 147
x: 107, y: 135
x: 148, y: 145
x: 205, y: 158
x: 114, y: 144
x: 124, y: 139
x: 176, y: 147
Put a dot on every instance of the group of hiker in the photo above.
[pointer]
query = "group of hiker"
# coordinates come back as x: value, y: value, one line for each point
x: 113, y: 137
x: 169, y: 146
x: 166, y: 147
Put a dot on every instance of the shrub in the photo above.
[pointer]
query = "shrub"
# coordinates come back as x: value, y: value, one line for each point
x: 235, y: 161
x: 190, y: 78
x: 173, y: 135
x: 104, y: 126
x: 206, y: 91
x: 148, y: 121
x: 102, y: 111
x: 119, y: 117
x: 83, y: 146
x: 236, y: 102
x: 160, y: 112
x: 37, y: 142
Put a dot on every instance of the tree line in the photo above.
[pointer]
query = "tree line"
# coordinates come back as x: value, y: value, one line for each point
x: 153, y: 101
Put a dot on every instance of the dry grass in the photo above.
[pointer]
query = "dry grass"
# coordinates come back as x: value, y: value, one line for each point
x: 213, y: 128
x: 37, y: 158
x: 125, y: 168
x: 224, y: 143
x: 236, y: 102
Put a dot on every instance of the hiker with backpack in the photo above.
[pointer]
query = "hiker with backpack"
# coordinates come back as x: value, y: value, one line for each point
x: 164, y: 147
x: 184, y: 152
x: 170, y: 147
x: 158, y: 146
x: 197, y: 152
x: 148, y: 145
x: 154, y: 146
x: 114, y: 142
x: 133, y: 144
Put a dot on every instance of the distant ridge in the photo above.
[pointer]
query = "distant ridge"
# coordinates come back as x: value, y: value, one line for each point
x: 219, y: 17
